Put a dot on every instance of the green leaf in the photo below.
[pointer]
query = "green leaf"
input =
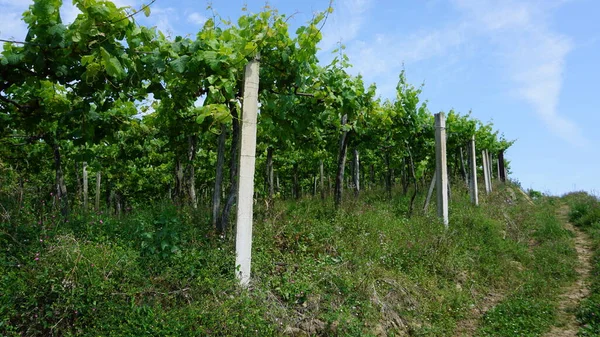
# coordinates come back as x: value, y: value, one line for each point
x: 10, y: 58
x: 250, y: 47
x: 147, y: 235
x: 147, y: 10
x: 86, y: 59
x: 200, y: 118
x: 136, y: 31
x: 76, y: 37
x: 179, y: 65
x: 211, y: 58
x: 112, y: 65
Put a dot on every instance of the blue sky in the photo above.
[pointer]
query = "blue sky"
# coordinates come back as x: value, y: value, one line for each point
x: 529, y: 66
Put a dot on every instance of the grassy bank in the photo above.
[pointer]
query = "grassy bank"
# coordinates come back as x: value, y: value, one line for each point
x: 366, y: 269
x: 531, y: 308
x: 585, y: 213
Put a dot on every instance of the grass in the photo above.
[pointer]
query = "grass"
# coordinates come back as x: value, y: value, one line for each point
x: 364, y: 270
x: 530, y: 310
x: 585, y: 213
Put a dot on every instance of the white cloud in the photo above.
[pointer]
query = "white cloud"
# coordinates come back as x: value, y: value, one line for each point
x: 378, y: 55
x: 161, y: 18
x: 539, y: 74
x: 196, y: 18
x: 164, y: 25
x: 381, y: 58
x: 517, y: 31
x: 497, y: 15
x: 345, y: 23
x: 533, y: 54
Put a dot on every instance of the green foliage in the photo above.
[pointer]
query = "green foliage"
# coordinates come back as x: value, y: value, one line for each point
x: 162, y: 238
x: 96, y: 276
x: 126, y: 99
x: 58, y: 289
x: 535, y: 195
x: 585, y: 214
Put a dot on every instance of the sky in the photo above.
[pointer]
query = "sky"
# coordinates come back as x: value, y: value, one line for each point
x: 531, y: 67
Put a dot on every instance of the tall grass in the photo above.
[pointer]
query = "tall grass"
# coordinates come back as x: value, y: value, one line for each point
x: 366, y: 269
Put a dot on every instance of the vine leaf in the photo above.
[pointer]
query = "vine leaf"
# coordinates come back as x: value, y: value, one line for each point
x: 112, y: 65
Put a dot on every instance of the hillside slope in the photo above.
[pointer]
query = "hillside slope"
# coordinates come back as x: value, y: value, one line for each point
x: 363, y: 270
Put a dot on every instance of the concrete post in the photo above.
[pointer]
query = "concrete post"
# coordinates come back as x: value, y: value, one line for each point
x: 243, y: 238
x: 98, y: 178
x: 322, y: 179
x: 486, y: 178
x: 441, y: 167
x: 489, y: 165
x: 430, y: 192
x: 356, y: 173
x: 498, y: 167
x: 85, y: 187
x: 473, y: 178
x: 463, y: 169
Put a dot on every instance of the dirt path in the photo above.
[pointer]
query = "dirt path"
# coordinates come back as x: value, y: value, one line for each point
x: 567, y: 325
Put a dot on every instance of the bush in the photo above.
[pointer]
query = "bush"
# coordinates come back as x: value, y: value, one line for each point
x: 585, y: 209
